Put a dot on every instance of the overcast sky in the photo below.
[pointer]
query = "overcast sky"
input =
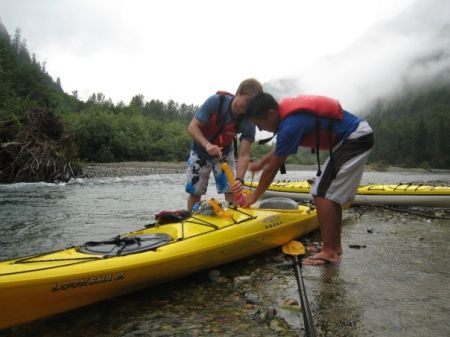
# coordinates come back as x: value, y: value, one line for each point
x: 187, y: 50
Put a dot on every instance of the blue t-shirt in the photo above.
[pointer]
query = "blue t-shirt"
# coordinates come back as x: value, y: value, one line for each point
x: 293, y: 128
x: 246, y: 128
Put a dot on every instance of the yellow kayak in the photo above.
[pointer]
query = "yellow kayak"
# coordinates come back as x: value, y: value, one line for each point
x: 385, y: 194
x: 37, y: 286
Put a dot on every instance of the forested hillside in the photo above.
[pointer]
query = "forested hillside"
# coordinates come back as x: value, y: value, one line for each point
x: 412, y: 129
x: 33, y: 106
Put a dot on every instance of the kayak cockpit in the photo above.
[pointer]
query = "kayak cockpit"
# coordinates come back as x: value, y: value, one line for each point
x: 124, y: 245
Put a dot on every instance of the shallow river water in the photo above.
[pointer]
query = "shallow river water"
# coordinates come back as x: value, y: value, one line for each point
x: 397, y: 284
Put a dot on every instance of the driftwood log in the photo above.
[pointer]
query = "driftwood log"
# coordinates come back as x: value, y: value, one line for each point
x: 34, y: 148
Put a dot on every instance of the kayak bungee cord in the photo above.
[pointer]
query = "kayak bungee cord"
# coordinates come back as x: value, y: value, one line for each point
x: 79, y: 260
x: 206, y: 223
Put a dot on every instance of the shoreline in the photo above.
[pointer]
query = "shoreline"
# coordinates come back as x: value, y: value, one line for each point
x: 132, y: 168
x: 140, y: 168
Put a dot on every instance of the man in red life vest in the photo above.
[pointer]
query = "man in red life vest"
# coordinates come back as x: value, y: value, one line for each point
x: 213, y: 129
x: 317, y: 122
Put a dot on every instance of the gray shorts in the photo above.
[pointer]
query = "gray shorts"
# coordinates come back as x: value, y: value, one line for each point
x: 341, y: 177
x: 199, y: 170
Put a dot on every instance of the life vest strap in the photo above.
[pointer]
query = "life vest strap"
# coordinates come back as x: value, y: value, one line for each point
x: 319, y: 171
x: 220, y: 121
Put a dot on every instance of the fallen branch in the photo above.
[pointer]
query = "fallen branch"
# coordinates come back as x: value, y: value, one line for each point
x: 35, y: 151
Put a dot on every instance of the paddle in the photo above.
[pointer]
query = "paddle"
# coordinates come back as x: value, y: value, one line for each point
x: 295, y: 248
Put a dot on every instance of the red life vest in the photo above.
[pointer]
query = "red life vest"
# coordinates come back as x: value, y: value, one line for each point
x: 319, y: 106
x: 216, y: 131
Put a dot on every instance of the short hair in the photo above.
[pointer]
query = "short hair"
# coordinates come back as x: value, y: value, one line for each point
x: 250, y: 86
x: 260, y: 105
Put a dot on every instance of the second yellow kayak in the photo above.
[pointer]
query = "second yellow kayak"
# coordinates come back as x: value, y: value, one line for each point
x: 385, y: 194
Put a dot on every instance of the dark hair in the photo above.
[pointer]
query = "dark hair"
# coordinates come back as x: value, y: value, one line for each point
x: 260, y: 105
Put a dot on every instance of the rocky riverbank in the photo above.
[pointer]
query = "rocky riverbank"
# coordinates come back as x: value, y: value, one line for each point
x: 132, y: 169
x: 138, y: 168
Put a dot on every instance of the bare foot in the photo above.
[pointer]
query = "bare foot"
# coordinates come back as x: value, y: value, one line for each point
x: 320, y: 259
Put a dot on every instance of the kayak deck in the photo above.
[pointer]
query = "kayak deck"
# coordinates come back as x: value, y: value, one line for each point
x: 45, y: 284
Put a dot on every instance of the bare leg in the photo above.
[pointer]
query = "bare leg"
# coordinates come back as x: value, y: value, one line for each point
x: 192, y: 200
x: 330, y: 220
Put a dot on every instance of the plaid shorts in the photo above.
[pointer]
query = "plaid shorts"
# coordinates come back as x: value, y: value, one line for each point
x: 199, y: 170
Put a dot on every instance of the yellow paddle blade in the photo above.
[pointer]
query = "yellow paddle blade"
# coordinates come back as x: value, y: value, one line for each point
x: 293, y: 248
x: 218, y: 210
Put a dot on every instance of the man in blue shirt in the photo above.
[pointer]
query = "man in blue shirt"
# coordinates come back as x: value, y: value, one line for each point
x: 311, y: 121
x: 213, y: 130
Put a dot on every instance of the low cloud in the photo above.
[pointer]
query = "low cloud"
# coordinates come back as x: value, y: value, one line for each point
x: 410, y: 49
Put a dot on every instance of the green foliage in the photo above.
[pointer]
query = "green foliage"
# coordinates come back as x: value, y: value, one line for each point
x: 303, y: 156
x: 412, y: 129
x: 102, y: 130
x: 380, y: 166
x: 104, y: 137
x: 24, y: 83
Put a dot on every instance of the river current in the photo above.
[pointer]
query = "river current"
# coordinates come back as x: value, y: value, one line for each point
x: 40, y: 217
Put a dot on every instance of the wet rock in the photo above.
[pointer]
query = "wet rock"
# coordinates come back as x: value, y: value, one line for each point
x: 285, y: 265
x: 265, y: 315
x: 356, y: 246
x: 438, y: 214
x: 290, y: 301
x: 278, y: 325
x: 239, y: 280
x: 249, y: 306
x: 252, y: 298
x: 216, y: 277
x: 270, y: 314
x: 279, y: 258
x: 256, y: 271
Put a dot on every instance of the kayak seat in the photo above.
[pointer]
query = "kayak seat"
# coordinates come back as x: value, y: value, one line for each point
x: 278, y: 203
x: 124, y: 245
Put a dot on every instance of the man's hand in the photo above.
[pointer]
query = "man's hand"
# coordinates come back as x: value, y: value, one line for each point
x: 256, y: 166
x: 249, y: 200
x: 213, y: 150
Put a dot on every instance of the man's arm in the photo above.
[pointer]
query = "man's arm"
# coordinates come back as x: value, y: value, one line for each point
x: 197, y: 134
x: 242, y: 165
x: 244, y: 159
x: 260, y: 163
x: 267, y: 176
